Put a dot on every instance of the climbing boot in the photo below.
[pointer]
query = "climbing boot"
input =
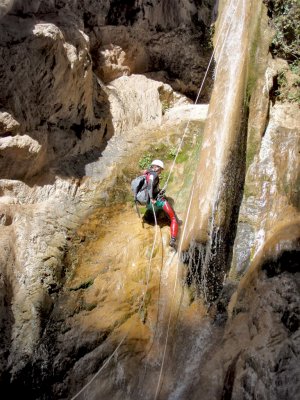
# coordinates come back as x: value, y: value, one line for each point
x: 173, y: 243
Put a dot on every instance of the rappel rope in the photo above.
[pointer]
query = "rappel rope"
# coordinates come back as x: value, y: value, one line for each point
x: 197, y: 98
x: 173, y: 295
x: 158, y: 387
x: 154, y: 242
x: 188, y: 123
x: 139, y: 310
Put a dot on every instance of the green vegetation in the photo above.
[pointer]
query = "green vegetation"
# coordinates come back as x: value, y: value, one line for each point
x: 288, y: 86
x: 163, y: 178
x: 120, y: 192
x: 145, y: 160
x: 295, y: 68
x: 182, y: 156
x: 211, y: 34
x: 253, y: 67
x: 165, y: 105
x: 252, y: 146
x: 172, y: 152
x: 285, y: 19
x: 165, y: 153
x: 285, y: 16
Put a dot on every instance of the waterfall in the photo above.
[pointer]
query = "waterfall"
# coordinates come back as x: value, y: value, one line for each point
x: 219, y: 176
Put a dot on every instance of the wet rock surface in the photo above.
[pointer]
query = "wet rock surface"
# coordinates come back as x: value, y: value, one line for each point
x: 85, y: 296
x: 260, y: 342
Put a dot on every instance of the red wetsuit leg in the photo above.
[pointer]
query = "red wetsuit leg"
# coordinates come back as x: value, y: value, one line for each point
x: 174, y: 225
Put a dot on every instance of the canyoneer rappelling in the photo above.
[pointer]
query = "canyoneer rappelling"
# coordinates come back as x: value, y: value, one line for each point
x: 146, y: 191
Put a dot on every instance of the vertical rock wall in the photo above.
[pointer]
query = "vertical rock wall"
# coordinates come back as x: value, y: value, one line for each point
x: 59, y: 122
x: 71, y: 104
x: 258, y: 354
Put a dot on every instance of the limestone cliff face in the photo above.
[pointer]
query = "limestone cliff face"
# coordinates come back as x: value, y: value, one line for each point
x: 64, y: 132
x: 49, y: 96
x: 260, y: 341
x: 88, y: 293
x: 167, y: 38
x: 54, y: 54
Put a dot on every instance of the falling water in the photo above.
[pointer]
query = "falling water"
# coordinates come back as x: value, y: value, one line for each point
x: 171, y: 361
x: 126, y: 326
x: 217, y: 186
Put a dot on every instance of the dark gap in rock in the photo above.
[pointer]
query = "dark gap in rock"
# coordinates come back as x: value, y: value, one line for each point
x: 88, y: 20
x: 78, y: 128
x: 288, y: 260
x: 290, y: 320
x: 105, y: 132
x: 53, y: 64
x: 84, y: 285
x: 5, y: 219
x: 6, y: 134
x: 57, y: 107
x: 122, y: 13
x: 199, y: 25
x: 229, y: 380
x: 273, y: 93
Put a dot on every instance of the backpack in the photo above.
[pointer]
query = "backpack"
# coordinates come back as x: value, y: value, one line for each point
x: 139, y: 189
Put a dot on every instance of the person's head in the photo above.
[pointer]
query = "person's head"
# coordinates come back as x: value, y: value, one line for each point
x: 157, y: 166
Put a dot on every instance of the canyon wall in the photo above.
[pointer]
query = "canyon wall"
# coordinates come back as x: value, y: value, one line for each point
x: 93, y: 304
x: 71, y: 106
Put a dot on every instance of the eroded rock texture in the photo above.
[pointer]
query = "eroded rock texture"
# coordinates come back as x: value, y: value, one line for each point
x: 54, y: 54
x: 86, y: 87
x: 70, y: 107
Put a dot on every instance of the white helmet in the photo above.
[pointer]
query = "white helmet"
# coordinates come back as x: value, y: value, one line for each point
x: 158, y: 163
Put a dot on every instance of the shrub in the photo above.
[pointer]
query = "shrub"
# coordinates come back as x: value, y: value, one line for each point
x: 145, y: 161
x: 285, y: 16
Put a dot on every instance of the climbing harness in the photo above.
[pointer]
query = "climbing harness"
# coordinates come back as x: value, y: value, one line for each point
x: 154, y: 242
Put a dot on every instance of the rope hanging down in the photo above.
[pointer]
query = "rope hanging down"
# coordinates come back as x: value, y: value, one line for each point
x: 198, y: 95
x: 139, y: 310
x: 158, y: 387
x: 153, y: 246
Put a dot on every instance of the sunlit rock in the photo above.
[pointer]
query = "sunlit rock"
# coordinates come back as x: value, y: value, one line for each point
x: 93, y: 302
x: 187, y: 112
x: 271, y: 194
x: 7, y: 123
x: 136, y: 100
x: 19, y: 155
x: 118, y: 53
